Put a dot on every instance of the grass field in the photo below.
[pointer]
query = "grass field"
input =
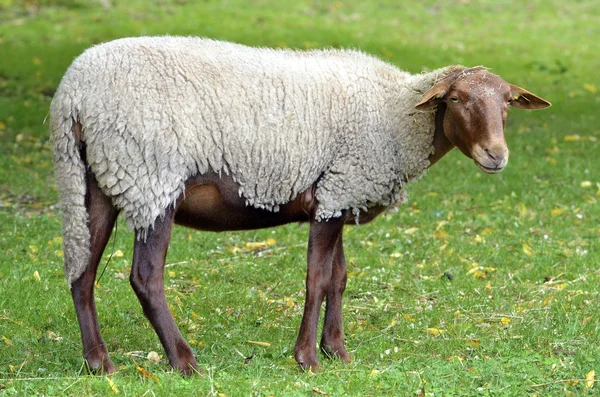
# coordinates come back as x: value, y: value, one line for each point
x: 519, y: 315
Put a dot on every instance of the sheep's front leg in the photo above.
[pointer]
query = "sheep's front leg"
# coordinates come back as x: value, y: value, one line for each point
x: 102, y: 217
x: 322, y: 241
x: 332, y: 340
x: 147, y: 280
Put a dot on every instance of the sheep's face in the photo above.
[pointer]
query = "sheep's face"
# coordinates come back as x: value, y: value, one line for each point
x: 476, y: 105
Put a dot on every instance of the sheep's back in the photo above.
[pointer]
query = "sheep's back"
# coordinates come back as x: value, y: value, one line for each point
x: 156, y: 110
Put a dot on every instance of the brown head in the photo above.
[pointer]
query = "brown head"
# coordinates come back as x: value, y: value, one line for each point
x: 475, y: 104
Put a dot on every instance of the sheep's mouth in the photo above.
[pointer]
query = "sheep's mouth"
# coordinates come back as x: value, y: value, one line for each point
x: 489, y: 170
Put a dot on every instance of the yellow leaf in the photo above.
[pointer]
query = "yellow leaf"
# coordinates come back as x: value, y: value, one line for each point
x: 473, y: 343
x: 557, y: 211
x: 6, y: 341
x: 586, y: 184
x: 590, y: 87
x: 146, y: 373
x: 411, y: 230
x: 256, y: 245
x: 34, y: 249
x: 2, y: 126
x: 522, y: 210
x: 527, y: 249
x: 505, y: 321
x: 478, y: 239
x: 590, y: 379
x: 486, y: 231
x: 488, y: 287
x: 551, y: 160
x: 441, y: 234
x: 36, y: 276
x: 171, y: 273
x: 112, y: 385
x: 572, y: 138
x: 263, y: 344
x: 435, y: 331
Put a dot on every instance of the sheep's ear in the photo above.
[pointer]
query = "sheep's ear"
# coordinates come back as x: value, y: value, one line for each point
x: 524, y: 99
x: 432, y: 97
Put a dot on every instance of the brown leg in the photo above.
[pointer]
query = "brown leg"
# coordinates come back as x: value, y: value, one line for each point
x: 322, y: 240
x: 102, y: 217
x: 332, y: 340
x: 147, y: 280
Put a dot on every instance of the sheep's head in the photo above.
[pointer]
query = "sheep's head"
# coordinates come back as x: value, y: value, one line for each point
x: 476, y: 104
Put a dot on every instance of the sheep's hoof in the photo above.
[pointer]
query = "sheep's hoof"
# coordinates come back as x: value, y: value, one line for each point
x: 187, y: 368
x: 308, y: 362
x: 100, y: 366
x: 333, y: 351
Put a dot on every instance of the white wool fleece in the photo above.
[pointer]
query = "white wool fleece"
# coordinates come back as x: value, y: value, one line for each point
x: 156, y: 110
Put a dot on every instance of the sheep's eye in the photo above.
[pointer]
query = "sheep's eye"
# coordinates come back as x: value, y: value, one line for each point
x: 510, y: 100
x: 454, y: 99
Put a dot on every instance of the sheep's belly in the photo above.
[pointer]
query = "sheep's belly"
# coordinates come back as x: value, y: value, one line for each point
x: 212, y: 203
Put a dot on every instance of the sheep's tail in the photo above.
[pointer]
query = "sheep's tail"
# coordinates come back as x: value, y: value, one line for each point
x: 70, y: 171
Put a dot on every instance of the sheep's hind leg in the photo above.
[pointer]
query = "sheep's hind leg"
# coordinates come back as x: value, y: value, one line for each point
x: 102, y: 217
x: 147, y: 280
x: 323, y: 237
x: 332, y: 340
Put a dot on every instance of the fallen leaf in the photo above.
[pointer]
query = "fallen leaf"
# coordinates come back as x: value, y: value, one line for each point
x: 590, y: 379
x: 586, y: 184
x: 441, y: 234
x: 557, y: 211
x: 36, y: 276
x: 572, y: 138
x: 590, y: 87
x: 527, y: 249
x: 411, y: 230
x: 6, y: 341
x: 146, y: 374
x: 505, y: 321
x: 435, y: 331
x: 318, y: 391
x: 112, y: 385
x: 52, y: 336
x: 488, y: 288
x: 486, y: 231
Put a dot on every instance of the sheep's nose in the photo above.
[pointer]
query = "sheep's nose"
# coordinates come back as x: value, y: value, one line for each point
x: 497, y: 156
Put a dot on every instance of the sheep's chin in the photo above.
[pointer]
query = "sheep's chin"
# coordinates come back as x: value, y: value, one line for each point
x: 488, y: 170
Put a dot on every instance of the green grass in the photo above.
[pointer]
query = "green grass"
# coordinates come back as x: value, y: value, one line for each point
x: 520, y: 315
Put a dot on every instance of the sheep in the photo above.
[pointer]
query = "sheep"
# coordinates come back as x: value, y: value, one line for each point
x: 219, y: 136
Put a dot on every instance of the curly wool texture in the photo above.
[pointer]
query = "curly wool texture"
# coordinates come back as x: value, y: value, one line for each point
x: 156, y: 110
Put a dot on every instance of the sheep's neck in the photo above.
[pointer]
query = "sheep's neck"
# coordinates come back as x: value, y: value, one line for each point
x: 441, y: 144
